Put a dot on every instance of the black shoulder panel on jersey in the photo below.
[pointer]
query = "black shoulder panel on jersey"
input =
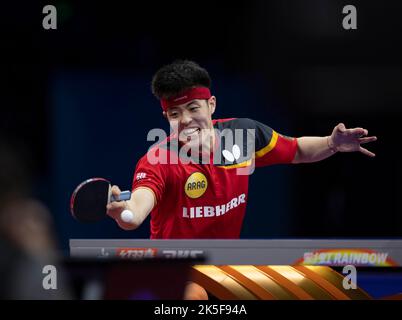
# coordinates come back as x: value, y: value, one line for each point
x: 263, y: 133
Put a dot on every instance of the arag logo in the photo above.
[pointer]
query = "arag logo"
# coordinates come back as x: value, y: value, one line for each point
x: 196, y: 185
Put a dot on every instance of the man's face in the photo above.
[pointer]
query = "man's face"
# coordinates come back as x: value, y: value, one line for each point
x: 193, y: 121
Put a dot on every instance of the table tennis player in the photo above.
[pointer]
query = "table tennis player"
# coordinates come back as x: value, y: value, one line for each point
x: 201, y: 199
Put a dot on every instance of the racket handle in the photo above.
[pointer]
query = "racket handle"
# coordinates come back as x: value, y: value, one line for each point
x: 124, y: 195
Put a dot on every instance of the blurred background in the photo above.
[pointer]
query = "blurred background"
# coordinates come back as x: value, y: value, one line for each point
x: 76, y: 103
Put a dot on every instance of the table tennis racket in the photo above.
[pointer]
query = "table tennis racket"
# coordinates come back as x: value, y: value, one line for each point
x: 88, y: 201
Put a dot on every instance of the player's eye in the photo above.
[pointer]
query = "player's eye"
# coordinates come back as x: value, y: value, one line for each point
x: 174, y: 115
x: 194, y: 108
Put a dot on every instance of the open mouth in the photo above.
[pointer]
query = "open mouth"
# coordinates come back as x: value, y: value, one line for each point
x: 190, y: 132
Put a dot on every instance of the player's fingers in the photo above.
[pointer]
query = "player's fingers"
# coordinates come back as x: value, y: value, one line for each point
x: 366, y: 152
x: 116, y: 205
x: 114, y: 209
x: 116, y: 190
x: 341, y: 127
x: 358, y: 132
x: 367, y: 140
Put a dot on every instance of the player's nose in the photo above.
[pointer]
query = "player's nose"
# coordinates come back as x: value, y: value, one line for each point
x: 185, y: 120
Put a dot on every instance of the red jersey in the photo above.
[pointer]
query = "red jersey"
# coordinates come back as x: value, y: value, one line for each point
x: 201, y: 200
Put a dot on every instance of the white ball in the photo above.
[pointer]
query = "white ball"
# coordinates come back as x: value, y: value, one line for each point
x: 127, y: 216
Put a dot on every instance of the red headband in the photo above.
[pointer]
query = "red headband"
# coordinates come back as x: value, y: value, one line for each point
x: 186, y: 96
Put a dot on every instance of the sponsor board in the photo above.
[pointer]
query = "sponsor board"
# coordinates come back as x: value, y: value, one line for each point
x: 342, y: 257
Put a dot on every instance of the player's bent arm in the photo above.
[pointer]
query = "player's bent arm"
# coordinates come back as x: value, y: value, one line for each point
x: 313, y: 149
x: 141, y: 204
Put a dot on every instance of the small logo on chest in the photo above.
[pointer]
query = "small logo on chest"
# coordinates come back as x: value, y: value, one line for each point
x: 196, y: 185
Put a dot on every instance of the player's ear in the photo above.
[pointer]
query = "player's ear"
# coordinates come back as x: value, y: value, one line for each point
x: 212, y: 104
x: 164, y: 114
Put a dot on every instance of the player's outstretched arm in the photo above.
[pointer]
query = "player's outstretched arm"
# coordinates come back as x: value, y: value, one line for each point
x: 141, y: 204
x: 312, y: 149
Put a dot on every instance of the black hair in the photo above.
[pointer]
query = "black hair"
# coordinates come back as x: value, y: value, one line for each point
x: 174, y: 78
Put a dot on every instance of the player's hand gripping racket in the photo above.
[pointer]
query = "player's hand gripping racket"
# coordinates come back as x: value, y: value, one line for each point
x: 88, y: 201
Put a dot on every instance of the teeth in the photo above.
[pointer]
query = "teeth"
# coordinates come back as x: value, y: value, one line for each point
x: 188, y: 132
